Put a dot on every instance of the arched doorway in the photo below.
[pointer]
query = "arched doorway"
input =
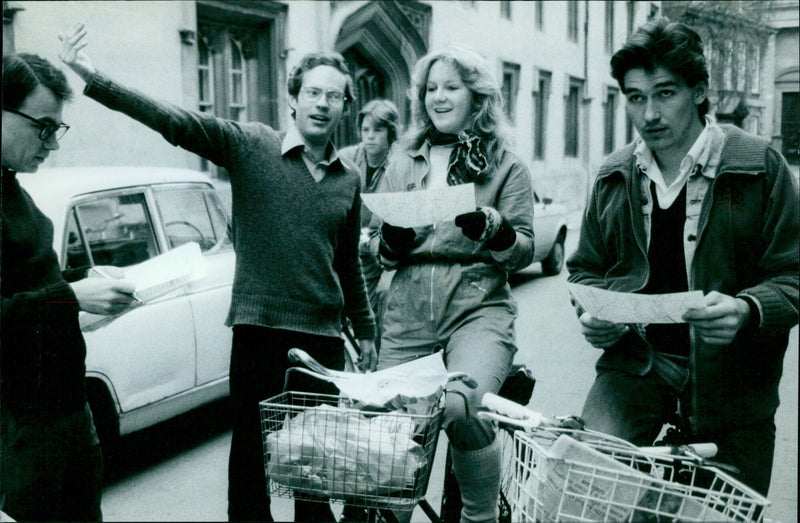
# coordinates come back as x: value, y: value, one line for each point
x: 381, y: 42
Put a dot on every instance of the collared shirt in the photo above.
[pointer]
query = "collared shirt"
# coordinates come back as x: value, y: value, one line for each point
x: 318, y: 169
x: 704, y: 155
x: 698, y: 177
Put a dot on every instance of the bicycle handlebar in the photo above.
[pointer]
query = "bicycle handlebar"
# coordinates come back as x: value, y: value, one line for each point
x: 700, y: 450
x: 511, y: 413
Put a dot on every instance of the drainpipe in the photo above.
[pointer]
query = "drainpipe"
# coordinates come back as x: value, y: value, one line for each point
x: 587, y: 100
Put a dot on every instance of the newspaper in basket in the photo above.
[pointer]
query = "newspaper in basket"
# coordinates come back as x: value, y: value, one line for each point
x: 330, y: 446
x: 568, y: 480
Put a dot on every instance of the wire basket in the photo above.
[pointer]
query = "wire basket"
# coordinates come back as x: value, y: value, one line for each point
x: 320, y: 446
x: 563, y: 479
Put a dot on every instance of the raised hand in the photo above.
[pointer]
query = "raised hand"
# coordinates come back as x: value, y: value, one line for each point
x: 72, y: 54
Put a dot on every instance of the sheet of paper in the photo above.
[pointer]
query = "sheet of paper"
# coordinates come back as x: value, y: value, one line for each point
x: 155, y: 278
x: 626, y: 307
x: 420, y: 208
x: 167, y: 272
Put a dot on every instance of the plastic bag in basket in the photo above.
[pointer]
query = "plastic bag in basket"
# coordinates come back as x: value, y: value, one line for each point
x: 339, y: 453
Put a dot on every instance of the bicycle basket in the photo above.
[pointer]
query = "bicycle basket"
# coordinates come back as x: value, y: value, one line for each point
x: 595, y: 480
x: 319, y: 446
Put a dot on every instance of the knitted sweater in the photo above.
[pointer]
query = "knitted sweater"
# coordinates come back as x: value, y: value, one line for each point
x: 296, y: 241
x: 42, y: 351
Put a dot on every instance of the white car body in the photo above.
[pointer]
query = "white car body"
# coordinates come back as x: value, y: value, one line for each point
x: 172, y: 354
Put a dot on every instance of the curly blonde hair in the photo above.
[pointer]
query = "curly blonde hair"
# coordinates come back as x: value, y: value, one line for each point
x: 488, y: 118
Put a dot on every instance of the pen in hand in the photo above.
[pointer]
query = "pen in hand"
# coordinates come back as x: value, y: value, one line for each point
x: 103, y: 273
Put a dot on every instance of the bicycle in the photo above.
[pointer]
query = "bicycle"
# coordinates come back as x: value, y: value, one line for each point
x: 321, y: 446
x: 563, y: 471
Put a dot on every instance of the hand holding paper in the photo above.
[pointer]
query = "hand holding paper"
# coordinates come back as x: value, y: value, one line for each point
x: 104, y: 296
x: 149, y: 280
x: 626, y: 307
x: 421, y: 208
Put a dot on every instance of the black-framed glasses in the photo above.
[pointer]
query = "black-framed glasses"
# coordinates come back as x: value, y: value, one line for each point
x: 312, y: 94
x: 46, y: 129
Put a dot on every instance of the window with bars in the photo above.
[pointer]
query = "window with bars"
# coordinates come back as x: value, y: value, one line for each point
x: 754, y: 66
x: 609, y: 26
x: 510, y: 88
x: 539, y: 14
x: 631, y: 8
x: 541, y: 104
x: 237, y: 78
x: 572, y: 20
x: 205, y: 77
x: 505, y: 9
x: 572, y: 107
x: 610, y: 120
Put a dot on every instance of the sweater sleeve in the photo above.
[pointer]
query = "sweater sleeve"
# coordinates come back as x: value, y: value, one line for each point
x: 348, y: 267
x: 777, y: 294
x: 201, y: 133
x: 20, y: 311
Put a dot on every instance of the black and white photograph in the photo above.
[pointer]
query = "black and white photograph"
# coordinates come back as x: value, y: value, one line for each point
x: 400, y: 260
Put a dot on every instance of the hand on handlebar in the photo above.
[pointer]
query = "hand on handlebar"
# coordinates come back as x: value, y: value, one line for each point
x: 368, y: 360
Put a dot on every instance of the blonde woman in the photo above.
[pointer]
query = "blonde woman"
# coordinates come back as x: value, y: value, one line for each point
x: 450, y: 291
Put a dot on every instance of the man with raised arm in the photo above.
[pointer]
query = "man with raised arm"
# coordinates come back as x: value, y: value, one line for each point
x: 691, y: 205
x: 296, y: 227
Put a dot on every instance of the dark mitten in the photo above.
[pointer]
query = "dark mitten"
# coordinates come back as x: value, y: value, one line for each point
x: 396, y: 241
x: 472, y: 224
x: 486, y: 225
x: 504, y: 238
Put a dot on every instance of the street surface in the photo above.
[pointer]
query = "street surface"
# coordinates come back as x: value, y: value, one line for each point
x: 177, y: 471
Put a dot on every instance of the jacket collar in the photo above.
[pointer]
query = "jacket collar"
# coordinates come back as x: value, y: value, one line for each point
x: 423, y: 150
x: 740, y: 154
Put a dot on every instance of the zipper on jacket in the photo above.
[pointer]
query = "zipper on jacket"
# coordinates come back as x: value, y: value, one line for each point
x: 433, y: 269
x: 702, y: 223
x: 639, y: 242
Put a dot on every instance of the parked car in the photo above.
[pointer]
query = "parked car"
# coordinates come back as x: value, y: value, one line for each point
x: 172, y: 354
x: 549, y: 234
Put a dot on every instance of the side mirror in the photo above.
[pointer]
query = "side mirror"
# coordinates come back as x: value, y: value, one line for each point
x: 547, y: 201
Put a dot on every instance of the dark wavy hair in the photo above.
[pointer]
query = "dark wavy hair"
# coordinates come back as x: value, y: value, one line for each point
x: 385, y: 114
x: 23, y: 72
x: 312, y: 60
x: 672, y: 45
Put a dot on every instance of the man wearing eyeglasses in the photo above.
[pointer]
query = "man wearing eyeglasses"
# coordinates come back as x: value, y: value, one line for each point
x: 51, y: 466
x: 296, y: 227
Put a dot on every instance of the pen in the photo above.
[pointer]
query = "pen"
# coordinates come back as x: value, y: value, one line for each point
x: 104, y: 274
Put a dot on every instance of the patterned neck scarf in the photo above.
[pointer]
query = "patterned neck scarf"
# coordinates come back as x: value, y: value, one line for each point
x: 467, y: 161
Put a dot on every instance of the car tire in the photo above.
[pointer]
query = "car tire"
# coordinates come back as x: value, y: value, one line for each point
x: 554, y: 262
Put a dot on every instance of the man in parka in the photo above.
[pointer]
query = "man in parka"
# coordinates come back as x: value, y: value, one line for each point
x: 691, y: 205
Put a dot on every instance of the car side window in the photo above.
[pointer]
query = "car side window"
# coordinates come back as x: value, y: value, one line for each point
x: 192, y: 214
x: 117, y: 229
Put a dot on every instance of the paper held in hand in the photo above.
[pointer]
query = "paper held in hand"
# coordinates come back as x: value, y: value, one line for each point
x: 155, y: 278
x: 627, y: 307
x: 421, y: 208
